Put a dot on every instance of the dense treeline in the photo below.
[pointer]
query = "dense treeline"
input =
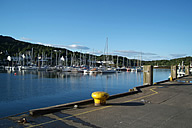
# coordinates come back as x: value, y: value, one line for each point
x: 11, y: 47
x: 168, y: 63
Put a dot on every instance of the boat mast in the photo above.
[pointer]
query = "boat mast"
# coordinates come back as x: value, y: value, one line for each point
x: 140, y: 59
x: 66, y: 58
x: 117, y: 61
x: 107, y: 50
x: 31, y: 56
x: 89, y: 61
x: 80, y: 58
x: 42, y: 60
x: 123, y: 62
x: 72, y: 59
x: 59, y: 59
x: 51, y: 58
x: 93, y: 59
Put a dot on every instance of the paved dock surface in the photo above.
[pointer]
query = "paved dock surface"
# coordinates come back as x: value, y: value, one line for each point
x: 165, y: 105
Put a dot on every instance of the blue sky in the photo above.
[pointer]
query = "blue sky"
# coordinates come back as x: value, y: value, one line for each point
x: 159, y: 29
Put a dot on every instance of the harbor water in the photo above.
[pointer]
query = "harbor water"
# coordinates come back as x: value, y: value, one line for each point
x: 21, y: 91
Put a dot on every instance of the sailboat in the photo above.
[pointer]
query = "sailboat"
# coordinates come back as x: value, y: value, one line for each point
x: 139, y: 69
x: 123, y: 68
x: 107, y: 68
x: 117, y: 65
x: 66, y: 68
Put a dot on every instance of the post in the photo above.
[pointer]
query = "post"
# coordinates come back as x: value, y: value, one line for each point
x: 174, y: 72
x: 147, y: 75
x: 187, y: 70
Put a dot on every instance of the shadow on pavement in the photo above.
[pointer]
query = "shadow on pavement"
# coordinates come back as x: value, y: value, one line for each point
x: 127, y: 104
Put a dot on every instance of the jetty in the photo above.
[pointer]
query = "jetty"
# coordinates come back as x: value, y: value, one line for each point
x: 164, y: 104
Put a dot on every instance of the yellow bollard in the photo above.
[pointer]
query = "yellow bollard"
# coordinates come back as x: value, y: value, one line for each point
x: 131, y: 90
x: 100, y: 98
x: 171, y: 78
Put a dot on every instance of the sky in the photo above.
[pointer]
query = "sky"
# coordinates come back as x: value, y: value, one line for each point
x: 155, y: 29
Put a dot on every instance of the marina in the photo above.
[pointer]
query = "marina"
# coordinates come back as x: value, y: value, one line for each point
x: 64, y: 60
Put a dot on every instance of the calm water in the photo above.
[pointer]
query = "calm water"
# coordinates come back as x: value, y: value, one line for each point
x: 30, y: 89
